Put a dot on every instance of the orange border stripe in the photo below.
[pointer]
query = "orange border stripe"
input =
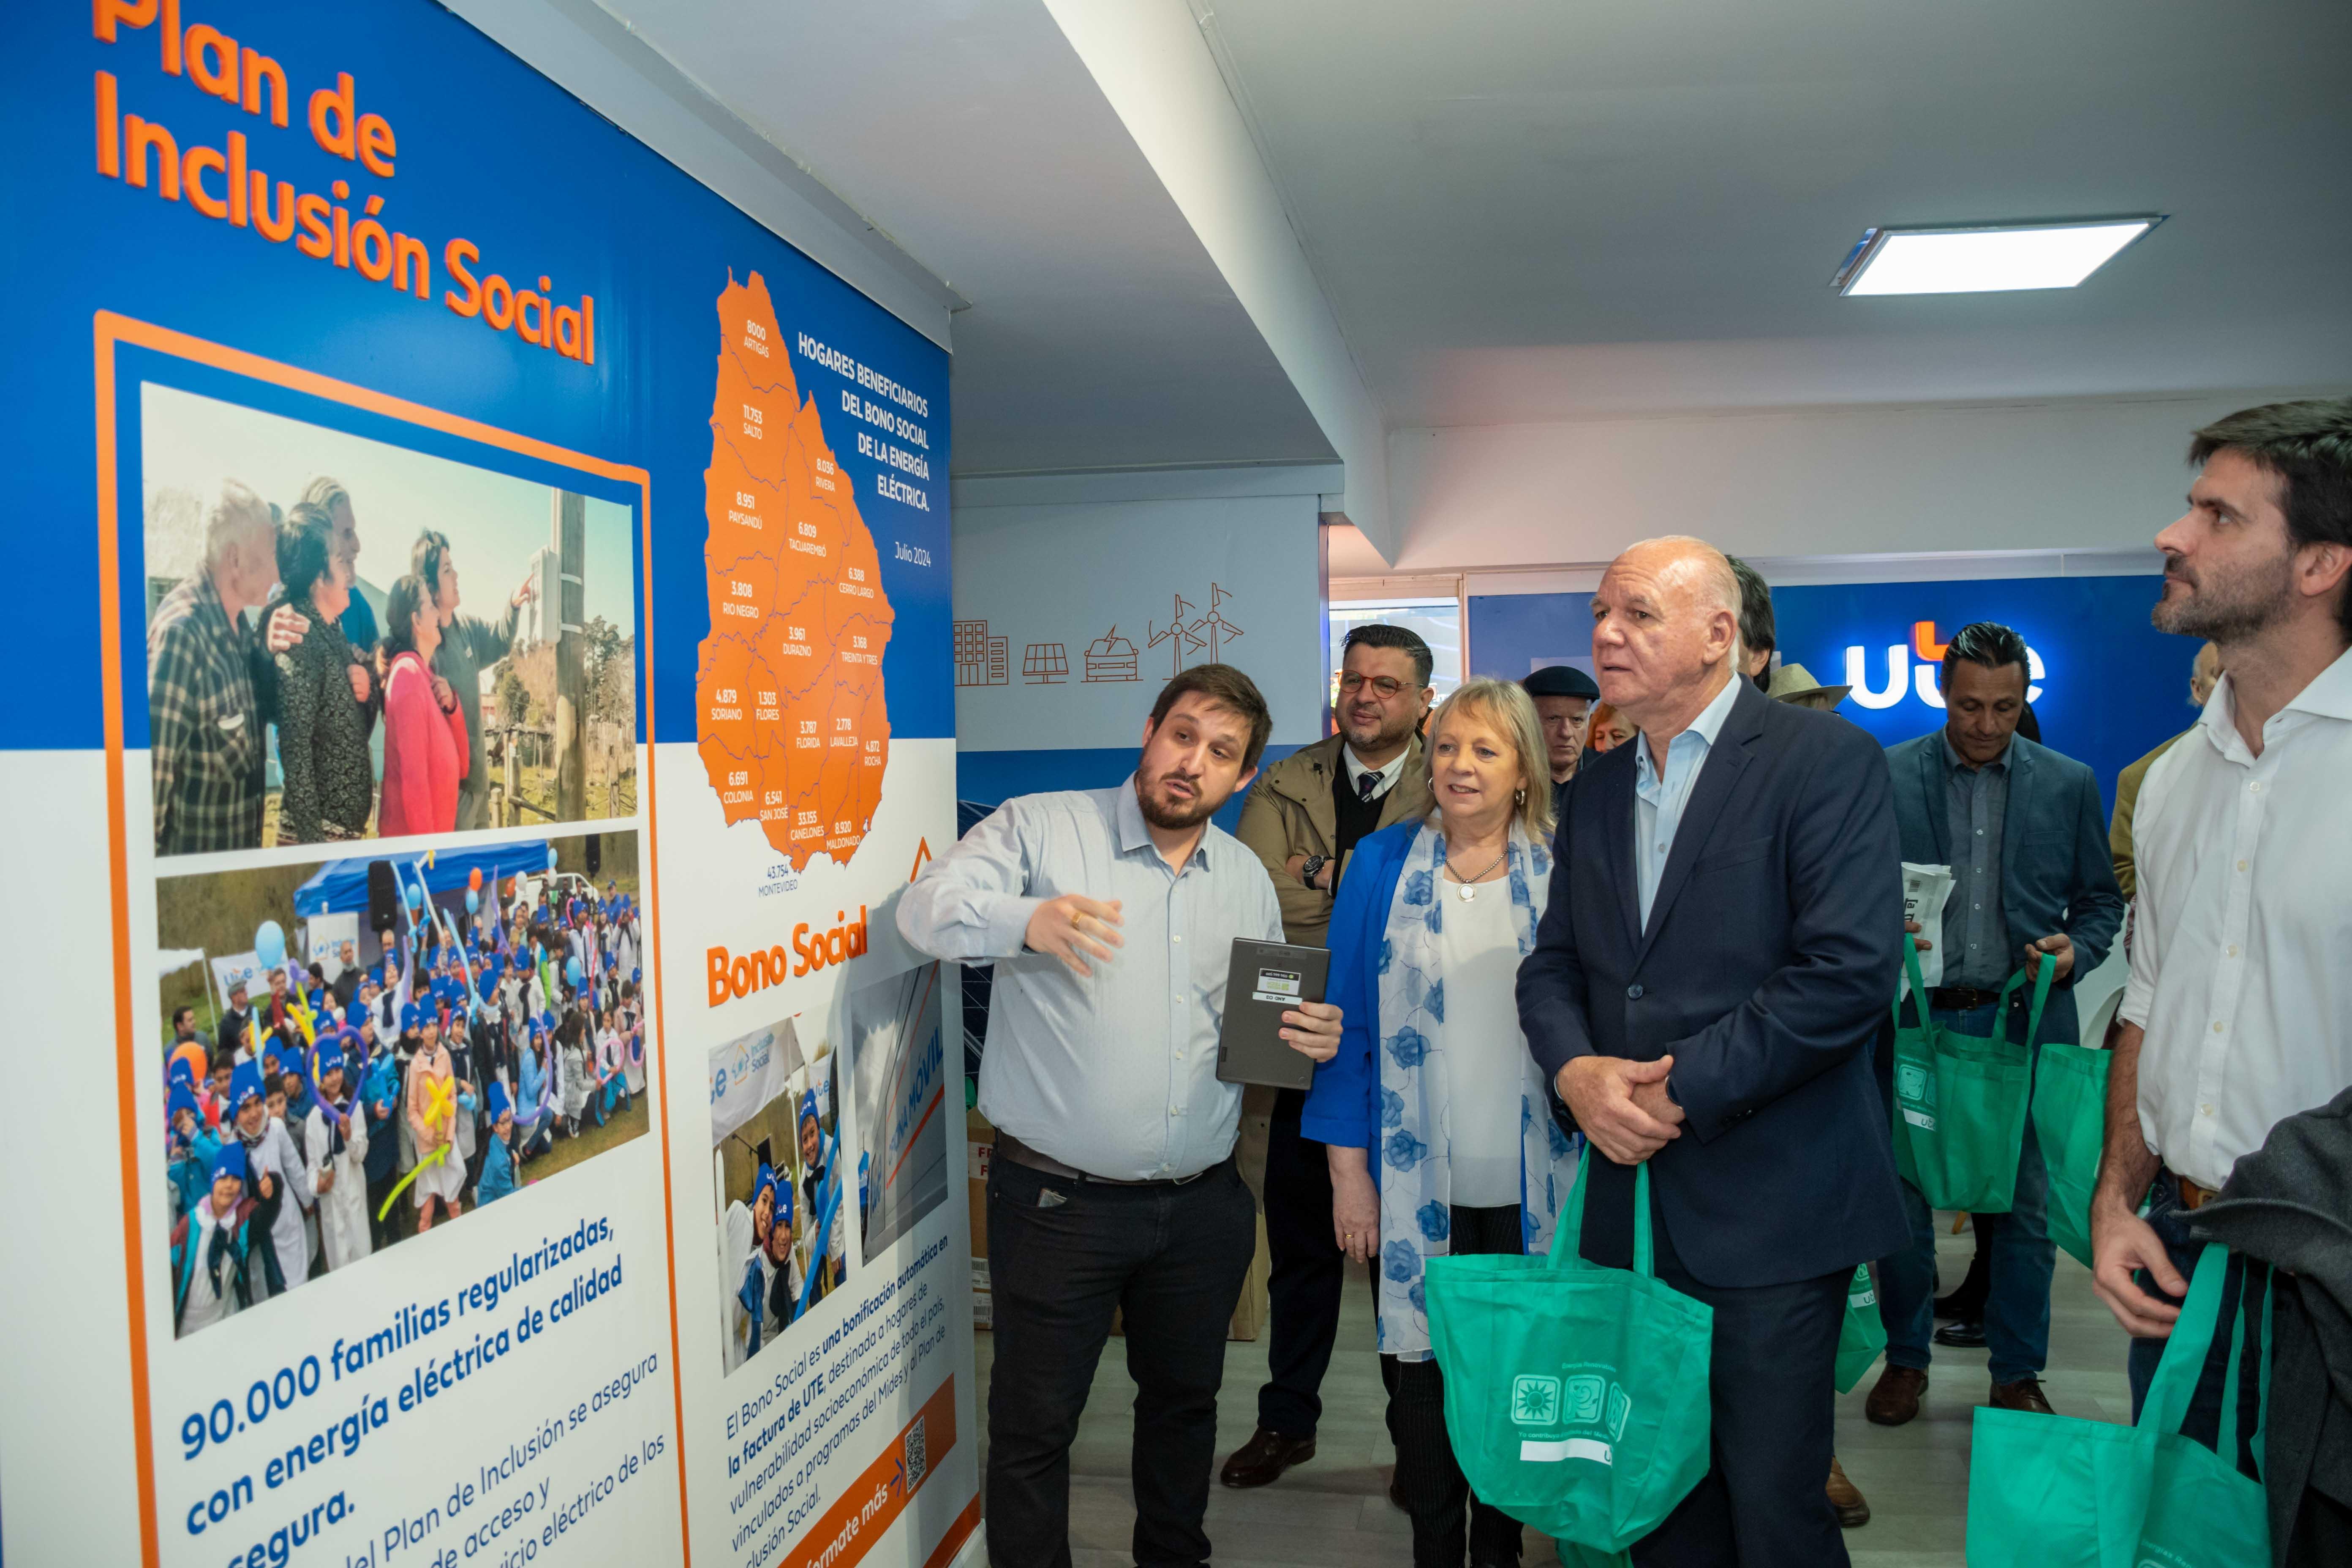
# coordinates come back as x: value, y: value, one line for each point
x: 958, y: 1533
x: 109, y: 657
x: 661, y: 1052
x: 123, y: 329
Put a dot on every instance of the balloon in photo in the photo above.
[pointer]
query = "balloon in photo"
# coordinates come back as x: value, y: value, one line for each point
x: 268, y: 945
x: 473, y: 899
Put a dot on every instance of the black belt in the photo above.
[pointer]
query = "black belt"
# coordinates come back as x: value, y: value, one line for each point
x: 1008, y: 1147
x: 1960, y: 998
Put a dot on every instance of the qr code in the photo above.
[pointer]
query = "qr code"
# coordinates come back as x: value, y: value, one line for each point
x: 919, y: 1461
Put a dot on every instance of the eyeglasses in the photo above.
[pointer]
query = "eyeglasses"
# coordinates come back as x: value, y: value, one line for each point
x: 1385, y: 687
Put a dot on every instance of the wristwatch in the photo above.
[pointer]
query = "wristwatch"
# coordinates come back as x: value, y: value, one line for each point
x: 1313, y: 868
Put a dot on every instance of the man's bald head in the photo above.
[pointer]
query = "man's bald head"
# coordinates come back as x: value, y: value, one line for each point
x: 1665, y: 630
x: 2204, y: 674
x: 240, y: 547
x: 1691, y: 564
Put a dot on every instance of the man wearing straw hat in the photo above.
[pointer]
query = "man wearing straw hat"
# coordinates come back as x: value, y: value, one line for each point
x: 1795, y: 685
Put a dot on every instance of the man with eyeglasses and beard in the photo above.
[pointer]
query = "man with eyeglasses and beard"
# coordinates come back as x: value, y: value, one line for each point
x: 1111, y: 916
x: 1302, y: 816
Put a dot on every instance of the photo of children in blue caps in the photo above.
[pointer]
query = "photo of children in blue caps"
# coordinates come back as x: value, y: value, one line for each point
x: 354, y: 1051
x: 784, y: 1215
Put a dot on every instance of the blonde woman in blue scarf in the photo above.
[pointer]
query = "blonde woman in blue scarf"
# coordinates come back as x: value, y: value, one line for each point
x: 1439, y: 1129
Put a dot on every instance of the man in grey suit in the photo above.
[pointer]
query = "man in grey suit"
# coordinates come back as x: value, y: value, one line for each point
x: 2022, y: 828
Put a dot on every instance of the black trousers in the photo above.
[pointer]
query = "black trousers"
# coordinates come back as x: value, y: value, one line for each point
x: 1761, y: 1502
x: 1061, y: 1255
x: 1303, y: 1284
x: 1446, y: 1515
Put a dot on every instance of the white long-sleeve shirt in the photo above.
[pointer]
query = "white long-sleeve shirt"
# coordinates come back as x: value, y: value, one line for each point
x: 277, y: 1157
x: 2242, y: 923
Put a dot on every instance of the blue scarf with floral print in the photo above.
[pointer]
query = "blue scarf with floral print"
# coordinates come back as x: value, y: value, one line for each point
x: 1416, y: 1175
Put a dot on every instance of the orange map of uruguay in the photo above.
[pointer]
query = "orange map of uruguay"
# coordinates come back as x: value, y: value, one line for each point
x: 788, y: 698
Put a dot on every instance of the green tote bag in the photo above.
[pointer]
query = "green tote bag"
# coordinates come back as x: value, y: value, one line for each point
x: 2070, y: 1120
x: 2059, y: 1493
x: 1961, y: 1100
x: 1576, y: 1395
x: 1864, y: 1334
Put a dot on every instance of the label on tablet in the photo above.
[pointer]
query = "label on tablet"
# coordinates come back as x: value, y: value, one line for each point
x: 1278, y: 986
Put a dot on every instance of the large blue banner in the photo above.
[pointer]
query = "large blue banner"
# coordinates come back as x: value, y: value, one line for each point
x: 418, y: 485
x: 2106, y: 685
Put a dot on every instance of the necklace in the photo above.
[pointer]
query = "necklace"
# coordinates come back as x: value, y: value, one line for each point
x: 1464, y: 885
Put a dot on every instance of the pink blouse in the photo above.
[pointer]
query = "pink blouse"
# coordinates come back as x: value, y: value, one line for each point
x: 424, y: 754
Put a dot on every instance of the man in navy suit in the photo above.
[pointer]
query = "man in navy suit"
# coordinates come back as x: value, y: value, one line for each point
x: 1721, y: 942
x: 2022, y: 828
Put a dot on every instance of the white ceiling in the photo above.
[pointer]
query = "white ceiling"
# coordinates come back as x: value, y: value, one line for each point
x: 1521, y: 212
x: 1539, y: 210
x: 1099, y: 334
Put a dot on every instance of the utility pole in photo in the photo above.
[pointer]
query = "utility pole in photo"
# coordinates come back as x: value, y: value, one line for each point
x: 571, y: 646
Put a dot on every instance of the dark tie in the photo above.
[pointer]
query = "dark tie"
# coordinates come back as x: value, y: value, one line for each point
x: 1367, y: 784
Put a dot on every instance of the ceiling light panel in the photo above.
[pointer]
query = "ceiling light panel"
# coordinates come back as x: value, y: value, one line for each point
x: 1985, y: 259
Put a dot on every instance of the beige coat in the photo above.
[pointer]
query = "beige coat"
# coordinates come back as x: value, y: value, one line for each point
x: 1290, y: 812
x: 2120, y: 830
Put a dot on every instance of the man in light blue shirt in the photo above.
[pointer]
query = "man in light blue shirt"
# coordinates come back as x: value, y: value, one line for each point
x: 1113, y: 1073
x: 1659, y: 793
x: 1111, y: 916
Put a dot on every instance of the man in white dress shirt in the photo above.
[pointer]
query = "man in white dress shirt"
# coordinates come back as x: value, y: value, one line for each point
x: 2238, y: 1014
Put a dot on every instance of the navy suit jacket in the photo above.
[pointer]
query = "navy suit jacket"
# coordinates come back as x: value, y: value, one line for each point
x: 2056, y: 874
x: 1769, y: 961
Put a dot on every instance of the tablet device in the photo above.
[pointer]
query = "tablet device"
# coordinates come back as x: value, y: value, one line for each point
x: 1268, y: 978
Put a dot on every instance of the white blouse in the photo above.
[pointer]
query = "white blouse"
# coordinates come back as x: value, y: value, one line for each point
x: 1480, y: 951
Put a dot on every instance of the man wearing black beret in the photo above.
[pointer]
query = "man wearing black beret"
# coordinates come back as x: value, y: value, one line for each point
x: 1564, y: 695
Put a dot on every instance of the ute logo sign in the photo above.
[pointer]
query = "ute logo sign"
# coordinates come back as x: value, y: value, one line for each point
x: 1903, y: 679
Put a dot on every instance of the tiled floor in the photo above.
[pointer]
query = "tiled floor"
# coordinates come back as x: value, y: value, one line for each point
x: 1335, y: 1510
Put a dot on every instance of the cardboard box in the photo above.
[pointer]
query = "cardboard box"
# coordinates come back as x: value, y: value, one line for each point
x: 979, y: 1141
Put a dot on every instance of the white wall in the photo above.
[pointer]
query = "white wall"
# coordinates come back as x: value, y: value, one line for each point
x: 2084, y: 474
x: 1062, y: 561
